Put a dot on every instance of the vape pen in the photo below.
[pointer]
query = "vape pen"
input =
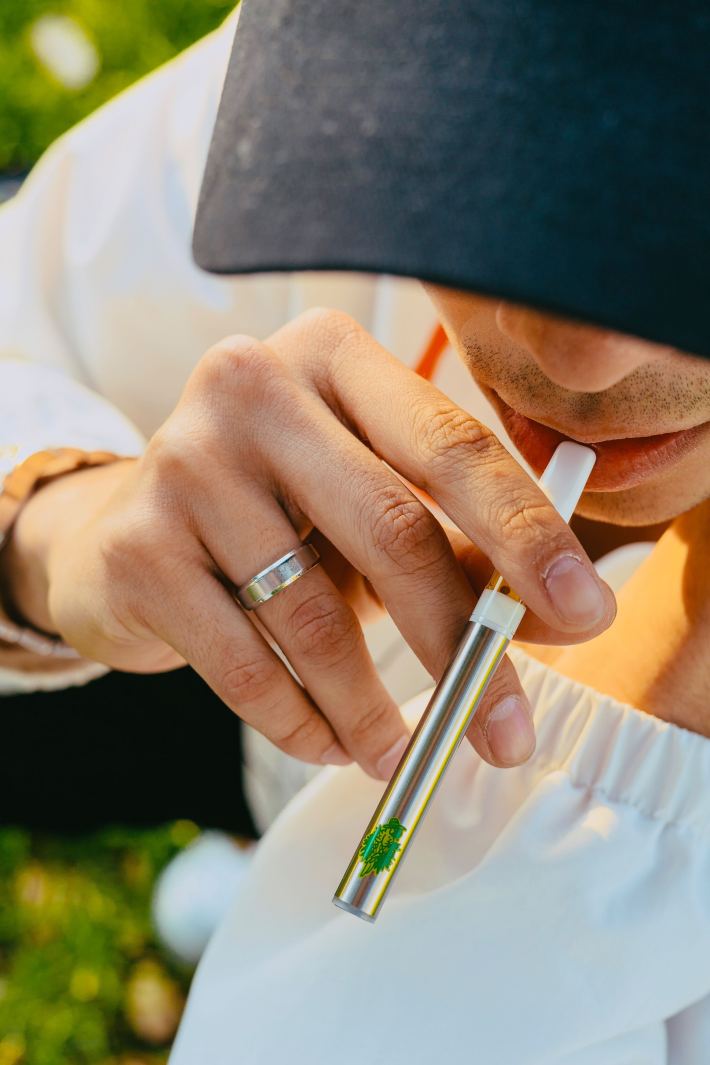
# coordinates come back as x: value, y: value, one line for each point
x: 450, y: 711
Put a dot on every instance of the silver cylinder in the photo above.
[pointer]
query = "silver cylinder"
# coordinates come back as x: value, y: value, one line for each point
x: 406, y: 798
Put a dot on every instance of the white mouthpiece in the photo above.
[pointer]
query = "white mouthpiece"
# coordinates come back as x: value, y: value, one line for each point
x: 565, y: 476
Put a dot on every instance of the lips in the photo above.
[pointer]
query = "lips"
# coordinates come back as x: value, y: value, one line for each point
x: 620, y: 464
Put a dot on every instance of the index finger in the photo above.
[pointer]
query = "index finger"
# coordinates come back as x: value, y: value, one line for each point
x: 443, y: 449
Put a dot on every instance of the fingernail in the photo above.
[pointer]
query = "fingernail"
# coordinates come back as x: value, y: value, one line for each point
x: 336, y: 755
x: 389, y: 761
x: 575, y: 594
x: 510, y: 732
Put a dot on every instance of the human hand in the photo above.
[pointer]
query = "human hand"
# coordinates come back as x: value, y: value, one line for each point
x: 133, y: 563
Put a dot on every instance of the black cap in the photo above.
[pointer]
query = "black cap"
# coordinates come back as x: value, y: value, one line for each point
x: 551, y: 152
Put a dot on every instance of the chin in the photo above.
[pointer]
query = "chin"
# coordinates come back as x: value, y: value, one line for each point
x: 646, y: 504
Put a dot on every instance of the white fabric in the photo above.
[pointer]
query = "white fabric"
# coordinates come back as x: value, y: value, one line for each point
x: 554, y: 914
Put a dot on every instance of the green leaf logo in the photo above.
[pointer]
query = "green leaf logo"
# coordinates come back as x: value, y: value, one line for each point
x: 379, y: 847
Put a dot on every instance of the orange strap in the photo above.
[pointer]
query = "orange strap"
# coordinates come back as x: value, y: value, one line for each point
x: 426, y: 367
x: 431, y: 356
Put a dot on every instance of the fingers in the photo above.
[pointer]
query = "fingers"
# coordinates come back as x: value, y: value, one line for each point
x: 289, y: 444
x: 314, y: 627
x: 477, y: 569
x: 204, y: 624
x: 502, y: 730
x: 353, y: 586
x: 436, y: 445
x: 322, y: 639
x: 326, y: 470
x: 377, y: 524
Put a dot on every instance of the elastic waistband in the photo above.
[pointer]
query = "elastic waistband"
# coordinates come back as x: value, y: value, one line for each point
x: 631, y: 757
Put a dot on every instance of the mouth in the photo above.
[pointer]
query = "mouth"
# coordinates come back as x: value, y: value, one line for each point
x: 621, y: 464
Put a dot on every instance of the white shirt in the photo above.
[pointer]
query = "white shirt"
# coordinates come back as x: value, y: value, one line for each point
x: 553, y: 914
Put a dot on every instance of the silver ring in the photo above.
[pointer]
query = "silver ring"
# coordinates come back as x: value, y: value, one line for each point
x: 277, y: 576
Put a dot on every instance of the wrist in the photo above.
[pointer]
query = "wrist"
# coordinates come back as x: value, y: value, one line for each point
x: 49, y: 519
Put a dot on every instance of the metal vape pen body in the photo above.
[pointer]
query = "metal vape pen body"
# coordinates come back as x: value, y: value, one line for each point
x: 433, y: 743
x: 490, y: 629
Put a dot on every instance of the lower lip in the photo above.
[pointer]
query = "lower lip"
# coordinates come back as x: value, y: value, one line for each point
x: 620, y: 464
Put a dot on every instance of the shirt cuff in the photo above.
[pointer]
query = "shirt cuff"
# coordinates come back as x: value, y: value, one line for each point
x: 41, y: 408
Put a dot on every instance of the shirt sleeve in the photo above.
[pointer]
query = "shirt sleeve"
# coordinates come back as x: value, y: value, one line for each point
x: 109, y: 207
x: 42, y: 407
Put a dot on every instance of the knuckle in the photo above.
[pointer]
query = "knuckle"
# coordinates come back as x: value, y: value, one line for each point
x: 331, y: 324
x: 238, y: 364
x: 371, y: 723
x: 405, y: 532
x: 523, y: 520
x: 323, y: 628
x: 167, y: 458
x: 299, y: 740
x: 449, y: 431
x: 330, y: 335
x: 249, y: 680
x: 173, y: 467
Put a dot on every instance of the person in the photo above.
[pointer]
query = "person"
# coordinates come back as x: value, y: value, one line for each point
x: 86, y: 250
x: 557, y: 912
x: 589, y: 858
x: 103, y: 316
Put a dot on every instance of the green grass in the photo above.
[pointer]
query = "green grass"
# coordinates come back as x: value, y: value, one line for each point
x: 83, y: 980
x: 131, y: 37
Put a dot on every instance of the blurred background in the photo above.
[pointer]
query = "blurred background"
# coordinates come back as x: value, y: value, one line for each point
x: 61, y: 59
x: 84, y: 977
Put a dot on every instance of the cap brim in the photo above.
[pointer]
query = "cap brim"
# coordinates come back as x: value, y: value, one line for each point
x: 552, y: 154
